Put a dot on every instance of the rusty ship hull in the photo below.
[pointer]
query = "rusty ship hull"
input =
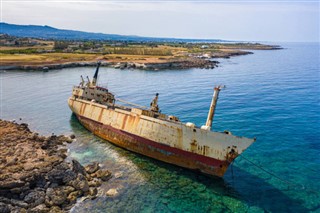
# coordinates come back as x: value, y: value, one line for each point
x: 169, y: 141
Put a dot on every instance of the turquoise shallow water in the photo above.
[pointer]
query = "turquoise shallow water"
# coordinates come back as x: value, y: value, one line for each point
x: 271, y: 95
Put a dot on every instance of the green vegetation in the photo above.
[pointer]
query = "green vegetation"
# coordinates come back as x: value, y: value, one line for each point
x: 138, y: 51
x: 60, y: 45
x: 31, y: 51
x: 20, y: 51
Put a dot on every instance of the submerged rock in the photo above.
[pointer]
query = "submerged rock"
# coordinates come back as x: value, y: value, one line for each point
x: 80, y: 183
x: 93, y: 192
x: 104, y: 175
x: 118, y: 175
x: 112, y: 192
x: 95, y: 182
x: 92, y: 168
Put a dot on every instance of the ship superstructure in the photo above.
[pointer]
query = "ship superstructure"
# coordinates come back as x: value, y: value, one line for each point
x: 149, y: 132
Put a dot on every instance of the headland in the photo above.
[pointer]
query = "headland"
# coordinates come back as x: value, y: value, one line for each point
x: 35, y: 54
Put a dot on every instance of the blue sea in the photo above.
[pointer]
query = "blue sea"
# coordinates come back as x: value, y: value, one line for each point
x: 271, y: 95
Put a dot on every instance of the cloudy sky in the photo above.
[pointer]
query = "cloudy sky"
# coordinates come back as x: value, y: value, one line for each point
x: 259, y: 20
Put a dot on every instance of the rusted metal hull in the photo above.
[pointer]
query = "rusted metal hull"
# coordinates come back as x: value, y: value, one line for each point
x: 156, y: 150
x: 168, y: 141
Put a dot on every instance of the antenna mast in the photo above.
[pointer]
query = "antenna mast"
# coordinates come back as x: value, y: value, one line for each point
x: 213, y: 106
x: 95, y: 77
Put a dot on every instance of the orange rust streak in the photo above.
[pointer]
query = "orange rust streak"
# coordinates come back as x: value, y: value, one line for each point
x: 81, y: 109
x: 131, y: 122
x: 100, y: 115
x: 180, y: 138
x: 84, y: 108
x: 124, y: 121
x: 72, y: 103
x: 132, y: 144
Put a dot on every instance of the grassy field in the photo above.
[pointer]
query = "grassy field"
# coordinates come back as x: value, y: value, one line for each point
x: 59, y: 52
x: 57, y: 58
x: 45, y: 45
x: 46, y: 58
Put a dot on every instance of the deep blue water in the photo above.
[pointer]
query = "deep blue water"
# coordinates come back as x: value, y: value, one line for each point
x: 271, y: 95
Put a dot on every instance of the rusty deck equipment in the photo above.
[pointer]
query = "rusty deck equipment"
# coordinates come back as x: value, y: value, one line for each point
x: 149, y: 132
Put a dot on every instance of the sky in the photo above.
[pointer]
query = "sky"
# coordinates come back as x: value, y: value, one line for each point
x: 258, y: 20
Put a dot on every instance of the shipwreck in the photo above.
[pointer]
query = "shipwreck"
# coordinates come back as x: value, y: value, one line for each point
x: 149, y: 132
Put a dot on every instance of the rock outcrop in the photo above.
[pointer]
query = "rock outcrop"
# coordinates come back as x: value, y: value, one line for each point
x: 34, y: 173
x: 173, y: 64
x: 48, y: 67
x: 169, y: 65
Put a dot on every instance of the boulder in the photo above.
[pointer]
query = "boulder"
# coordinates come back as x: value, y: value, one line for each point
x: 42, y: 208
x: 35, y: 198
x: 107, y: 175
x: 72, y: 197
x: 112, y: 192
x: 104, y: 175
x: 93, y: 191
x: 68, y: 176
x: 55, y: 209
x: 4, y: 208
x: 55, y: 196
x: 9, y: 184
x: 80, y: 183
x: 95, y: 182
x: 68, y: 189
x: 118, y: 175
x: 77, y: 168
x: 92, y: 168
x: 57, y: 174
x: 19, y: 203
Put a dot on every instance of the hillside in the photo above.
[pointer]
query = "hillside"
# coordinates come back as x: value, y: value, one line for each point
x: 47, y: 32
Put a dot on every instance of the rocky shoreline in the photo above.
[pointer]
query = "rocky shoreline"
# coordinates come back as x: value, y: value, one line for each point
x: 47, y: 67
x: 35, y: 175
x: 169, y: 65
x: 175, y: 64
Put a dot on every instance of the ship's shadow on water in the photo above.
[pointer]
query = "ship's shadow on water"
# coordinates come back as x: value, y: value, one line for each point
x: 178, y: 189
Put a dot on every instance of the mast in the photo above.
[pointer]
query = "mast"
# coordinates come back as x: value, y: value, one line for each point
x: 213, y: 106
x: 82, y: 81
x: 154, y: 104
x: 88, y: 84
x: 95, y: 77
